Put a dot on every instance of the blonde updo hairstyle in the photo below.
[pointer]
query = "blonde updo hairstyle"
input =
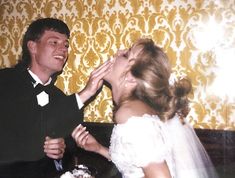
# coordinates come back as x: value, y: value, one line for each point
x: 152, y: 71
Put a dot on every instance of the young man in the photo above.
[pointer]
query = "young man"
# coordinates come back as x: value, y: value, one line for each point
x: 35, y: 116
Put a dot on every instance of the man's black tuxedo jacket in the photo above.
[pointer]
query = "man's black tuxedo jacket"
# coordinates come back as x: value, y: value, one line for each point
x: 24, y: 124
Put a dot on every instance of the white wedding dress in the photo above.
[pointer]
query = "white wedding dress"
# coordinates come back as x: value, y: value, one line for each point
x: 146, y: 139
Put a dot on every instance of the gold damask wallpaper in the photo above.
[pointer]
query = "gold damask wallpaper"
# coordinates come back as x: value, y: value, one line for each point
x: 198, y: 36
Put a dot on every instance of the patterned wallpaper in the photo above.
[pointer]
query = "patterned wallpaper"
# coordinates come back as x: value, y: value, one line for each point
x: 198, y: 36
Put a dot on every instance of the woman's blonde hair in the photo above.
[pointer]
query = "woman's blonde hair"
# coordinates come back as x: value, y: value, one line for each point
x: 152, y: 71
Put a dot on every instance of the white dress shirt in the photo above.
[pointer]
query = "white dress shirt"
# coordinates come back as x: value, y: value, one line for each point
x: 43, y: 97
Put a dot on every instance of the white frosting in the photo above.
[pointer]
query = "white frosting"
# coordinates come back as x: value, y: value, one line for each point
x: 67, y: 175
x: 80, y: 171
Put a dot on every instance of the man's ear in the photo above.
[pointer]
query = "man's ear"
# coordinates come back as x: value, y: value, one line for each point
x: 32, y: 47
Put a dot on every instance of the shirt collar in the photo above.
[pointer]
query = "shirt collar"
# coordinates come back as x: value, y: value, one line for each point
x: 37, y: 80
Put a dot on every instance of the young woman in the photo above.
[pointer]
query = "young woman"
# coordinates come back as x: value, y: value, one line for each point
x: 150, y: 138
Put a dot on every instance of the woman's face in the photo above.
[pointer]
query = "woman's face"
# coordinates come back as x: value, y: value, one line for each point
x: 123, y: 60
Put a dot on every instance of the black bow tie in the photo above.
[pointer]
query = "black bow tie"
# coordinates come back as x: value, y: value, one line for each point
x: 39, y: 88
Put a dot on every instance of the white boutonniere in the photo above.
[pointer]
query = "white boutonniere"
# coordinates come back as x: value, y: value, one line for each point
x: 43, y: 98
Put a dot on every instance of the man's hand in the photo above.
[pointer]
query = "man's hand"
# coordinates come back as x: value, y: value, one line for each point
x: 54, y: 148
x: 95, y: 81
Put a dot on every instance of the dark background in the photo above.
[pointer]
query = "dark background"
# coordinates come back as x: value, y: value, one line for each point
x: 219, y: 144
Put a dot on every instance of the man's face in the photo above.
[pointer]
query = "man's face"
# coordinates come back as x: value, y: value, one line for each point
x: 49, y: 53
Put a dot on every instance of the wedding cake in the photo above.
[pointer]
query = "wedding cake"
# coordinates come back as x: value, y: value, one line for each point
x: 80, y: 171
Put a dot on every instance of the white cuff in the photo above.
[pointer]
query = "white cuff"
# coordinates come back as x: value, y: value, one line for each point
x: 79, y: 101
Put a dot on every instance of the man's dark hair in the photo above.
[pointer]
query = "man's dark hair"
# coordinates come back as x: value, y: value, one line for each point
x: 34, y: 33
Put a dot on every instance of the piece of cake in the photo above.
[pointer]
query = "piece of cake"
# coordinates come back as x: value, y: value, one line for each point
x: 67, y: 175
x: 80, y: 171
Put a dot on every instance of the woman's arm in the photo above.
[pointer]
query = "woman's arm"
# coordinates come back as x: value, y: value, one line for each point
x: 86, y: 141
x: 157, y: 170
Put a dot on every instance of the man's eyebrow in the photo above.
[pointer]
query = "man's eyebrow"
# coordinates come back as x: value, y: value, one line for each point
x: 56, y: 37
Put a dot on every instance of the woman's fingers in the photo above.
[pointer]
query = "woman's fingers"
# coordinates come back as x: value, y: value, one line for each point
x: 80, y: 135
x: 81, y: 138
x: 76, y: 130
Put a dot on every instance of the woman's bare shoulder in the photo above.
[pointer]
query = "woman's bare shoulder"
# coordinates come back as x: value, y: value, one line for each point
x: 133, y: 108
x: 123, y: 113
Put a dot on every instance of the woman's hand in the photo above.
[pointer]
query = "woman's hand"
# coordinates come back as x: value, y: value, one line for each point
x: 54, y: 148
x: 84, y: 139
x: 88, y: 142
